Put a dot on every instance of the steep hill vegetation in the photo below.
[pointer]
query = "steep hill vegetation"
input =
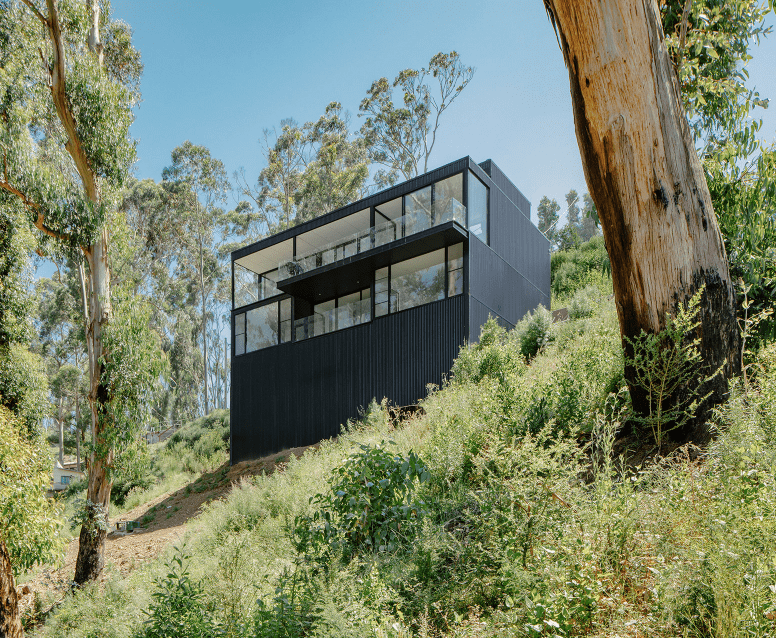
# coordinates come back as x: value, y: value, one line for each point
x: 511, y: 507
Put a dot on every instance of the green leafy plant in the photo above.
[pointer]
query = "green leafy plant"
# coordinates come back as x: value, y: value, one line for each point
x: 369, y: 505
x: 664, y: 365
x: 534, y: 331
x: 178, y: 609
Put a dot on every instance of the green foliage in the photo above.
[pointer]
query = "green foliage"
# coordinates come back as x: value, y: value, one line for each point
x: 369, y: 504
x: 100, y: 105
x: 584, y: 302
x: 191, y: 433
x: 23, y: 384
x: 547, y: 212
x: 745, y: 201
x: 197, y: 446
x: 740, y: 169
x: 525, y: 531
x: 534, y: 331
x: 178, y: 609
x: 134, y: 367
x: 401, y: 136
x: 663, y: 365
x: 30, y: 522
x: 575, y: 269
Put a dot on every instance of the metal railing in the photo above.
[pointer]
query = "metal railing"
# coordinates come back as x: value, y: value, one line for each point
x: 377, y: 235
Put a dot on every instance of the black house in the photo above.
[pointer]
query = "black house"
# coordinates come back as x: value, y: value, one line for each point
x: 374, y: 300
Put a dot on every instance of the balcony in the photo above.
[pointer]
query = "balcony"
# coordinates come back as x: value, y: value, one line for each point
x: 374, y: 237
x: 345, y: 316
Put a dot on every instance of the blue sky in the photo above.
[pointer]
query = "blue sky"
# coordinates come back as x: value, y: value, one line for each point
x: 219, y: 73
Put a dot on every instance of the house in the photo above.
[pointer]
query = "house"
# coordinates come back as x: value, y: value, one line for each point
x: 375, y: 300
x: 64, y: 474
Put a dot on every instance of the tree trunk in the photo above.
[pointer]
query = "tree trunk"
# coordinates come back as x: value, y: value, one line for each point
x: 77, y: 432
x: 61, y: 424
x: 647, y: 183
x: 91, y: 546
x: 204, y: 320
x: 10, y: 620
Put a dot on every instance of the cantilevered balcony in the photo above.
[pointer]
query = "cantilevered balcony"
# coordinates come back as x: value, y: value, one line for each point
x: 374, y: 237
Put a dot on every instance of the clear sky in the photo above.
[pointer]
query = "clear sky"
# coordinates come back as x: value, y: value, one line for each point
x: 218, y: 73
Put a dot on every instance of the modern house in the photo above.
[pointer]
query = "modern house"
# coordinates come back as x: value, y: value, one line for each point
x: 374, y: 300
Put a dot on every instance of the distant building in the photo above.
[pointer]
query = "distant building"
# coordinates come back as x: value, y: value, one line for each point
x: 374, y: 300
x: 65, y: 474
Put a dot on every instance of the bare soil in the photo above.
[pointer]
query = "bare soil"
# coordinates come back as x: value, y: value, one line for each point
x: 163, y: 523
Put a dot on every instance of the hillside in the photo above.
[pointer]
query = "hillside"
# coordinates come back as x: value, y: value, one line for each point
x: 512, y: 506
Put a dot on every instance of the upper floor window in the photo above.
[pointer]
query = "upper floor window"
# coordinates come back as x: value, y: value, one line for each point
x: 420, y: 280
x: 478, y: 208
x: 250, y: 287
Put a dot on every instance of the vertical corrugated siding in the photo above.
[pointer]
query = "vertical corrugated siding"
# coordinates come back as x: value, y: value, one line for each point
x: 299, y: 393
x: 512, y: 275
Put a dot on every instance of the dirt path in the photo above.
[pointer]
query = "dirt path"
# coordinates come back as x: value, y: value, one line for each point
x: 164, y: 523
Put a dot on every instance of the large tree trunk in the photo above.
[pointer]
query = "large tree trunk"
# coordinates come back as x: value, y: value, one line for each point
x: 645, y: 178
x: 91, y: 546
x: 10, y: 620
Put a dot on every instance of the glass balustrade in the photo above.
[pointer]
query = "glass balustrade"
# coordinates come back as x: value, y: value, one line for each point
x: 378, y: 235
x: 320, y: 323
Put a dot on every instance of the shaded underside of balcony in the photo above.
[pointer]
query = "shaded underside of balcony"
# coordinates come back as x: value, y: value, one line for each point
x: 351, y: 273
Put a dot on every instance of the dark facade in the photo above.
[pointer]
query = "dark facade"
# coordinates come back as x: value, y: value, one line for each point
x: 374, y: 300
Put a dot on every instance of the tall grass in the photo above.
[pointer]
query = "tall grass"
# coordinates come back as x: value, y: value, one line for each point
x: 530, y: 526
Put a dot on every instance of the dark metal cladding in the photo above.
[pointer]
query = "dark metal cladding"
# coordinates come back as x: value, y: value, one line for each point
x: 300, y: 393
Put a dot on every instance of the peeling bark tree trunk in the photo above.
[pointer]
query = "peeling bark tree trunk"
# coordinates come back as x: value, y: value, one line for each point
x: 10, y: 620
x: 91, y: 544
x: 645, y: 178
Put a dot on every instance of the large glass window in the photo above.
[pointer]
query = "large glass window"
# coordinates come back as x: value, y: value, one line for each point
x: 285, y: 320
x: 239, y: 334
x: 250, y: 287
x: 353, y: 309
x: 381, y: 292
x: 478, y: 208
x: 418, y: 281
x: 417, y: 211
x: 455, y: 270
x: 448, y: 200
x: 262, y: 327
x: 335, y: 314
x: 246, y: 286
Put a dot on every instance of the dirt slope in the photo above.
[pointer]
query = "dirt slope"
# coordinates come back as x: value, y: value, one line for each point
x: 164, y: 522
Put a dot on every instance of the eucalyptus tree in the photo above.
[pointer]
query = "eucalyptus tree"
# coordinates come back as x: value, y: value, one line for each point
x: 202, y: 184
x: 572, y: 210
x: 646, y: 180
x: 710, y: 44
x: 69, y: 84
x: 547, y: 213
x: 401, y: 132
x: 310, y: 170
x: 338, y: 167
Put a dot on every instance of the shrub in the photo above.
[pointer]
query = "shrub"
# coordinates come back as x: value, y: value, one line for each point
x: 369, y: 505
x: 574, y: 269
x: 178, y: 609
x: 535, y: 331
x: 583, y: 303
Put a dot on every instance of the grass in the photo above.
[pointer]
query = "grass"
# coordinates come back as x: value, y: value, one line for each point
x: 530, y: 524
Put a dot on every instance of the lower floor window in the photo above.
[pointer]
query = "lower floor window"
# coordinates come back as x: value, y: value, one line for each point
x: 261, y: 327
